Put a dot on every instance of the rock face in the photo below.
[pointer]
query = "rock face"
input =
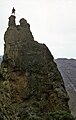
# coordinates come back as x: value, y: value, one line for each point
x: 33, y: 87
x: 0, y: 59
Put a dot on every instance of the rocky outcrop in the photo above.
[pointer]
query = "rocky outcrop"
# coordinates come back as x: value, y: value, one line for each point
x: 31, y: 85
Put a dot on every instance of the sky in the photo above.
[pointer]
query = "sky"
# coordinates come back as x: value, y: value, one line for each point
x: 52, y: 22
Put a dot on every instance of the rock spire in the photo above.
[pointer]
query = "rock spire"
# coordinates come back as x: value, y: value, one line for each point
x: 33, y: 87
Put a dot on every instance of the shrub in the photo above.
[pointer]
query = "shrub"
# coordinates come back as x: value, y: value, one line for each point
x: 60, y: 115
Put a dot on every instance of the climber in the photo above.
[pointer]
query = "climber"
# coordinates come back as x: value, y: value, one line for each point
x: 13, y: 11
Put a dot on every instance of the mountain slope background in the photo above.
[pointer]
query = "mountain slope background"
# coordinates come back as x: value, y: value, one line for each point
x: 67, y: 68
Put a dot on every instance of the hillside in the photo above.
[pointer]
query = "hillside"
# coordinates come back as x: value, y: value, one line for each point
x: 67, y: 68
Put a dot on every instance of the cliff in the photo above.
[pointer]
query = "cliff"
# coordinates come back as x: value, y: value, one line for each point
x: 31, y: 87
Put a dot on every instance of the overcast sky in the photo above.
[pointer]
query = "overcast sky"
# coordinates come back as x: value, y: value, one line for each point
x: 52, y: 22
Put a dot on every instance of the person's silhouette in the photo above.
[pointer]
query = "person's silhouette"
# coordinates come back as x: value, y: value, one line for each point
x: 13, y: 11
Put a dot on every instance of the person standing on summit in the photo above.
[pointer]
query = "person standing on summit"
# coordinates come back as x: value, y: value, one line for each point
x: 13, y: 11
